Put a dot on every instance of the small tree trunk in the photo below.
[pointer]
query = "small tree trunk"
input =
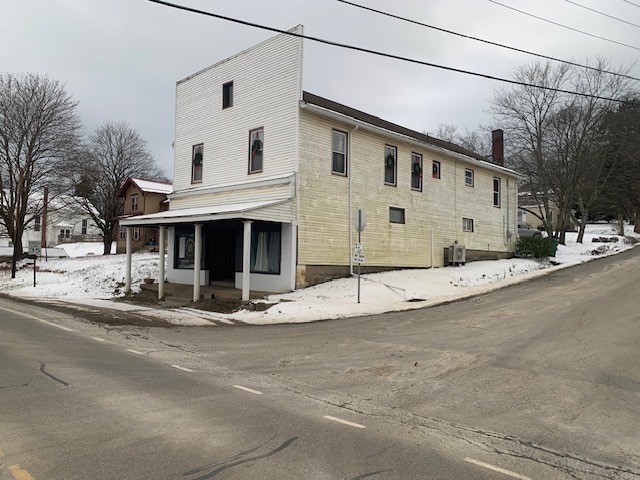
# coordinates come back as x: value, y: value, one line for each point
x: 107, y: 240
x: 583, y: 226
x: 620, y: 224
x: 17, y: 255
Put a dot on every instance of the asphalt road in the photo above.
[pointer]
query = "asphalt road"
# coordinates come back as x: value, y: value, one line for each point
x: 539, y: 380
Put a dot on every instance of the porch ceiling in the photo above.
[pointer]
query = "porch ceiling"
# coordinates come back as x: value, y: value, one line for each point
x: 211, y: 213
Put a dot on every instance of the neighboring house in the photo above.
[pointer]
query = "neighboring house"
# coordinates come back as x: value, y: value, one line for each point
x: 142, y: 197
x: 268, y: 179
x: 531, y: 213
x: 66, y: 222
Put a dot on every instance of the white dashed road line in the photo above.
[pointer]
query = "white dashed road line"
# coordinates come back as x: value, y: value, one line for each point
x: 134, y: 351
x: 250, y: 390
x: 345, y: 422
x: 496, y: 469
x: 182, y: 368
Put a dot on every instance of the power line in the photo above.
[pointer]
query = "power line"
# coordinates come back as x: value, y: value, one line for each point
x: 485, y: 41
x: 564, y: 26
x: 602, y: 13
x: 379, y: 54
x: 631, y: 3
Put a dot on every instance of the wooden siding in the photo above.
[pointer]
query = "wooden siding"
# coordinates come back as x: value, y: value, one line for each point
x: 266, y: 91
x: 323, y: 231
x: 245, y: 195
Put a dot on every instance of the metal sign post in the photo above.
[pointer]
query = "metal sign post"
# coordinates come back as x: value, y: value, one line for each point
x: 358, y: 252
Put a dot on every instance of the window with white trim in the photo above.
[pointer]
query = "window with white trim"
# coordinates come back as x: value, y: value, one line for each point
x: 390, y: 165
x: 36, y: 223
x: 497, y: 188
x: 467, y: 224
x: 338, y: 152
x: 416, y: 172
x: 197, y: 158
x: 136, y: 233
x: 134, y: 203
x: 468, y: 177
x: 85, y: 224
x: 256, y: 142
x: 123, y: 233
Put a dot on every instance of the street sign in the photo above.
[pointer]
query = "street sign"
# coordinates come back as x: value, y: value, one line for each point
x: 358, y: 258
x: 34, y: 247
x: 358, y: 248
x: 359, y: 220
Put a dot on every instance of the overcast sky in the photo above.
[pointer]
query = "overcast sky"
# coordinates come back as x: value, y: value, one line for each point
x: 121, y: 58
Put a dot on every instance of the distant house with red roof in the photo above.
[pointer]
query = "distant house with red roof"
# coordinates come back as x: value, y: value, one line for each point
x: 142, y: 197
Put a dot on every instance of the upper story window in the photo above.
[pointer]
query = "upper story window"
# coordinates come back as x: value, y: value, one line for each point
x: 339, y: 152
x: 134, y: 203
x: 416, y: 172
x: 468, y: 177
x: 36, y: 223
x: 197, y: 158
x: 467, y: 224
x: 435, y: 169
x: 256, y: 142
x: 227, y: 95
x: 390, y: 164
x: 497, y: 187
x: 85, y: 223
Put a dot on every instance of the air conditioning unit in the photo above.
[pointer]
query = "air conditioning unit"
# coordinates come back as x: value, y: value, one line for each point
x: 457, y: 254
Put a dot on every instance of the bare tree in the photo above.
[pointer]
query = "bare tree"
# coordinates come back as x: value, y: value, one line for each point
x: 474, y: 140
x: 554, y: 137
x: 39, y: 131
x: 114, y: 152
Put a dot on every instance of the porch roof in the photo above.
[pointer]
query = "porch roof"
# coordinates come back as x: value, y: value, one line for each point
x: 201, y: 214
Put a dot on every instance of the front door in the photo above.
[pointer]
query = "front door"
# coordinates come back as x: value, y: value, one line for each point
x: 223, y: 259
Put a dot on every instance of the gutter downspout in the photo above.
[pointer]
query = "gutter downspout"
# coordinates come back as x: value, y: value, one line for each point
x: 349, y: 160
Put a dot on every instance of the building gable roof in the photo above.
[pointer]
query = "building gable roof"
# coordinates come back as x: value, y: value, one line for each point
x: 145, y: 186
x: 395, y: 128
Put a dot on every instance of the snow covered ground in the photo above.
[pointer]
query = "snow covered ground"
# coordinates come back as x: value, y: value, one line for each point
x: 88, y: 278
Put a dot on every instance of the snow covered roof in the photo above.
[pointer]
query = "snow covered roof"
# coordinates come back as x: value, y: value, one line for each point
x: 199, y: 214
x: 153, y: 187
x: 146, y: 186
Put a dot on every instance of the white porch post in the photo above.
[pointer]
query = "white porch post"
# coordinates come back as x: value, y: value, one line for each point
x: 127, y: 279
x: 197, y: 258
x: 161, y: 230
x: 246, y: 260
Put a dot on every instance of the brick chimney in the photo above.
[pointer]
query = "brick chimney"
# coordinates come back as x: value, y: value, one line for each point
x: 497, y: 147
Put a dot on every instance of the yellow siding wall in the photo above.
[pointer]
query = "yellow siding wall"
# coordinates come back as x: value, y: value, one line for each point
x: 323, y: 202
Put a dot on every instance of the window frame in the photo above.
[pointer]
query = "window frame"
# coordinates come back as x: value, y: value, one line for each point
x: 465, y: 224
x: 84, y: 227
x: 123, y: 232
x: 387, y: 150
x: 497, y: 193
x: 266, y: 228
x: 467, y: 177
x: 399, y: 210
x: 37, y: 223
x: 260, y: 132
x: 419, y: 174
x: 227, y: 95
x: 197, y: 148
x: 136, y: 234
x: 436, y: 169
x: 334, y: 152
x: 134, y: 202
